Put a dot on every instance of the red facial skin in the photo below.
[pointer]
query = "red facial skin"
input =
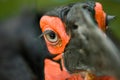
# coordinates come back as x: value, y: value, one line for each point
x: 52, y: 69
x: 100, y: 16
x: 55, y: 24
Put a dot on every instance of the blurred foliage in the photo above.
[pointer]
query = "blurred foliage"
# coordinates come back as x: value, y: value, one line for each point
x: 9, y: 8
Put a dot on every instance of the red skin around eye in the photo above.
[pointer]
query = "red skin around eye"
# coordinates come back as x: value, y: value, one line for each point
x: 55, y: 24
x: 100, y: 16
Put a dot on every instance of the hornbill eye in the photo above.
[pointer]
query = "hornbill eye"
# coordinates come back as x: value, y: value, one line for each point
x: 51, y: 36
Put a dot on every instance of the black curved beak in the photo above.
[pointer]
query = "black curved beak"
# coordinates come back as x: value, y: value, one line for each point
x: 89, y: 48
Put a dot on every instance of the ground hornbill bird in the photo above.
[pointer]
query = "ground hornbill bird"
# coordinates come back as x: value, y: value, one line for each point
x: 70, y: 44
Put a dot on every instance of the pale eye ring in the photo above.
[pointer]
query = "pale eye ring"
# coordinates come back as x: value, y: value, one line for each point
x: 51, y: 36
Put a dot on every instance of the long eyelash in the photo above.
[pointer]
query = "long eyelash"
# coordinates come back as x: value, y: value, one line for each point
x: 46, y: 32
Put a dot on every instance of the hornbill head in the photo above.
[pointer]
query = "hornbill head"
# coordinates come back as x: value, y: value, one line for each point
x: 74, y: 35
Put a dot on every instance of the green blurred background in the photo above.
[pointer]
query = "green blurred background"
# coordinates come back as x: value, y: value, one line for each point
x: 11, y: 8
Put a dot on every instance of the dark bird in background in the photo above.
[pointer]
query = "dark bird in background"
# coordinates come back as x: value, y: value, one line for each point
x: 67, y: 46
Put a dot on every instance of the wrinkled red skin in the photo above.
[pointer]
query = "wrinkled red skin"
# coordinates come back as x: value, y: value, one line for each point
x: 53, y: 72
x: 52, y: 69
